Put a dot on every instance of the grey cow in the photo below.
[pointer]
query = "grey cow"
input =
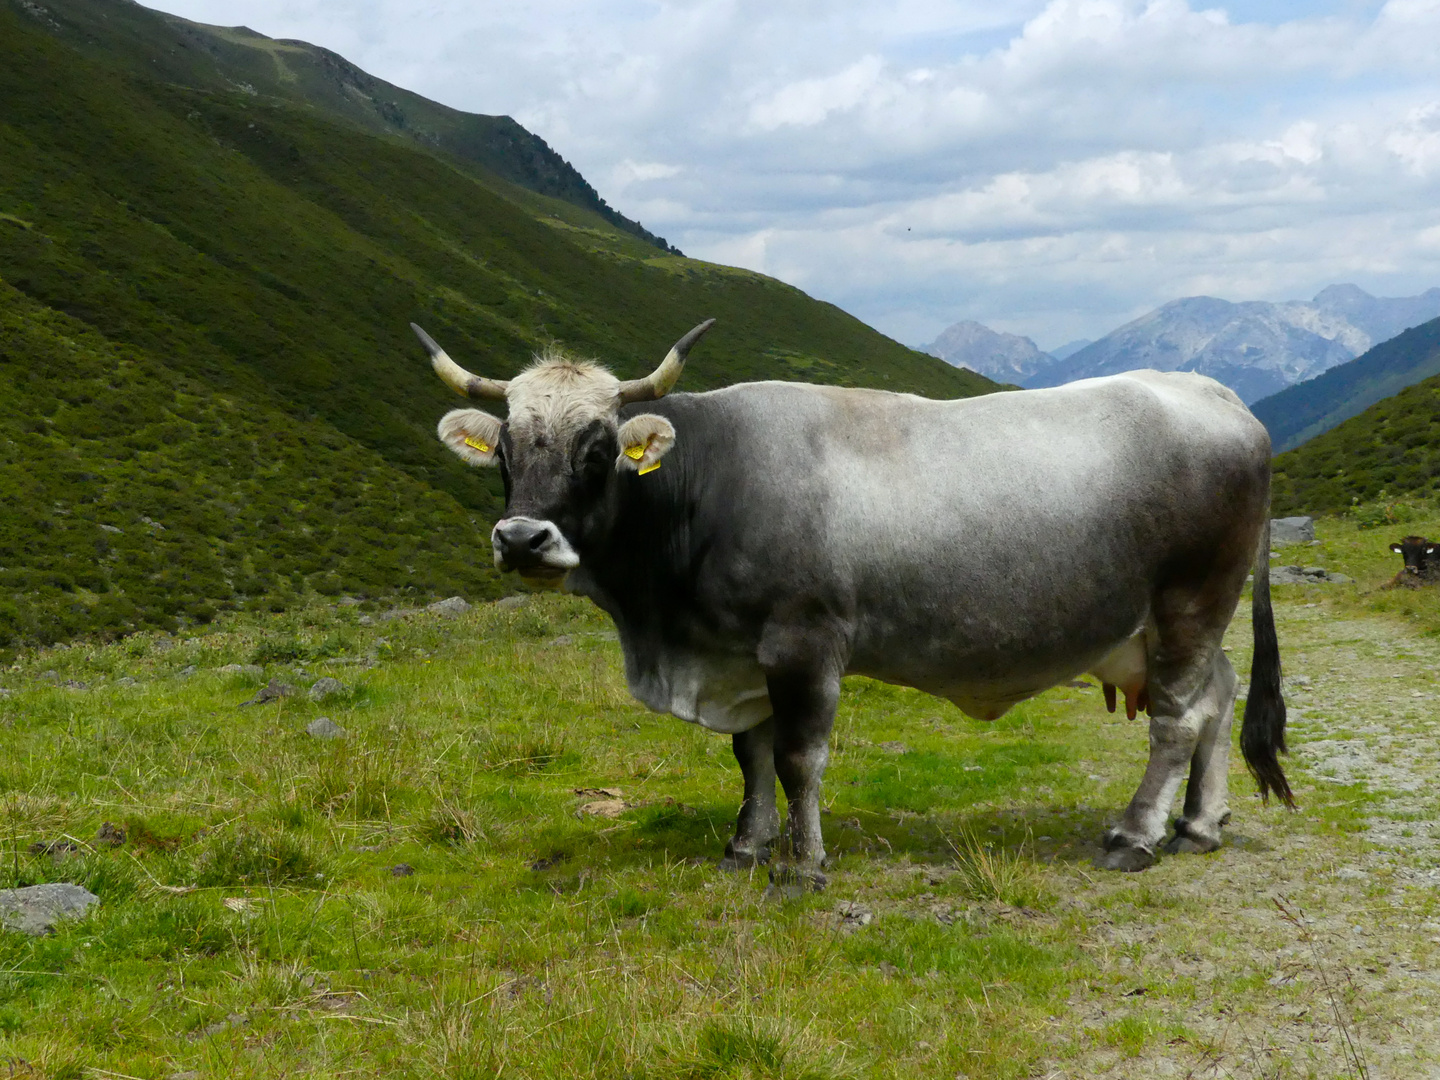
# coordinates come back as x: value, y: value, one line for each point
x: 981, y: 550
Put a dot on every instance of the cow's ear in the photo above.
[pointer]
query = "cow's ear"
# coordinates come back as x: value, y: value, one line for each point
x: 472, y: 434
x: 1397, y: 549
x: 644, y: 440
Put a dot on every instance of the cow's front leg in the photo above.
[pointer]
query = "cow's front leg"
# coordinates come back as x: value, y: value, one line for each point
x: 804, y: 707
x: 758, y: 825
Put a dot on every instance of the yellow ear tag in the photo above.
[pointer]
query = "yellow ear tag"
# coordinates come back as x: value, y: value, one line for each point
x: 477, y: 445
x: 648, y: 468
x: 636, y: 452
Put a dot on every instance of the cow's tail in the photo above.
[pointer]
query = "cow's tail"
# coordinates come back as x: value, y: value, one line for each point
x: 1262, y: 734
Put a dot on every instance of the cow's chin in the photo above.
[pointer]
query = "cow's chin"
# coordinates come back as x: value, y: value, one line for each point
x: 545, y: 577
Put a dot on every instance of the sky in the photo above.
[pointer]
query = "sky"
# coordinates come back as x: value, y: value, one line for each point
x: 1052, y: 169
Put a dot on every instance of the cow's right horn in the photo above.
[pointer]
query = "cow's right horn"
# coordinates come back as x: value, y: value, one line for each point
x: 456, y: 377
x: 660, y: 381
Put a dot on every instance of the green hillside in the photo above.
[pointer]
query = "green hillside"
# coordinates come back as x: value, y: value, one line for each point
x: 228, y: 59
x: 1391, y: 450
x: 1307, y: 409
x: 261, y: 263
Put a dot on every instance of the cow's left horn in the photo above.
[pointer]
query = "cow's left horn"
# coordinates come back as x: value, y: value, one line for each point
x: 660, y: 381
x: 456, y: 377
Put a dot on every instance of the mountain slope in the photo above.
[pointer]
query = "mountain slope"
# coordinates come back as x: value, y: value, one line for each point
x: 1390, y: 450
x: 1255, y: 348
x: 1307, y: 409
x: 265, y: 262
x: 227, y: 59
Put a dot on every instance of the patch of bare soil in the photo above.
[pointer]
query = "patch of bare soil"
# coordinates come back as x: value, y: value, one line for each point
x: 1309, y: 946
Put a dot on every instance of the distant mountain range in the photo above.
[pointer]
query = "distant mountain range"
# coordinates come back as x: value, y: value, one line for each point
x: 1256, y: 348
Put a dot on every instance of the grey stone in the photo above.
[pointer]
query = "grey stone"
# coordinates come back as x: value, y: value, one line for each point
x: 327, y: 688
x: 322, y: 727
x: 894, y: 747
x: 110, y: 529
x: 853, y: 914
x: 349, y: 601
x: 127, y: 680
x: 4, y: 693
x: 1302, y: 575
x: 507, y: 602
x: 274, y: 690
x: 74, y: 684
x: 49, y: 676
x: 188, y: 670
x: 403, y: 869
x: 1297, y: 681
x: 1291, y: 530
x: 36, y: 909
x: 242, y: 669
x: 1339, y: 579
x: 450, y: 607
x: 365, y: 620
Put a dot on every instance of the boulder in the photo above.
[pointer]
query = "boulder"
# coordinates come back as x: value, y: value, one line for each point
x: 322, y: 727
x: 327, y: 688
x: 36, y: 909
x: 274, y: 690
x: 1291, y: 530
x: 1305, y: 575
x: 450, y: 607
x: 242, y: 669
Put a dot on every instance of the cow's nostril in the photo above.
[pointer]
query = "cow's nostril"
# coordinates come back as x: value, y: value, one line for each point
x: 539, y: 540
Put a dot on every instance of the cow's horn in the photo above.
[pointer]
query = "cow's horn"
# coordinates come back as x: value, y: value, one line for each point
x: 456, y: 377
x: 660, y: 381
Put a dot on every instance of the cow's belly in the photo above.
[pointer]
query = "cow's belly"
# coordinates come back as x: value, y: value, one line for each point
x: 720, y: 692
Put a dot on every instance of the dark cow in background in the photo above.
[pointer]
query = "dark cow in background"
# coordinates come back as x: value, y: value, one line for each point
x: 1422, y: 565
x: 982, y: 550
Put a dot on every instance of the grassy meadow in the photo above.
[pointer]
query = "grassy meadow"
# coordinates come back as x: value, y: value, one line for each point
x: 507, y: 866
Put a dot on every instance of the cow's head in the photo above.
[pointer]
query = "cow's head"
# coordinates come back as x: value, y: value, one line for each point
x: 559, y: 448
x: 1418, y: 553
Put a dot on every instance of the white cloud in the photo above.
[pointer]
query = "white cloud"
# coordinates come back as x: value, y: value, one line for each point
x: 1050, y: 168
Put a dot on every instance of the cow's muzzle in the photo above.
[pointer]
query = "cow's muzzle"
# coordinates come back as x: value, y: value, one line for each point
x: 534, y: 548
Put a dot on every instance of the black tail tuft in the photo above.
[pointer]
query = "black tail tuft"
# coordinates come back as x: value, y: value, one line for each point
x: 1262, y: 733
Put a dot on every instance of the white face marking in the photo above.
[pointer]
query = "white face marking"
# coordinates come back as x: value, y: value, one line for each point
x: 560, y: 397
x: 556, y: 554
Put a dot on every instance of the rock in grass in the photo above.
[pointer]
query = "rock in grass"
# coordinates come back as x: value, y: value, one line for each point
x: 1291, y: 530
x: 322, y: 727
x: 110, y: 834
x: 327, y: 688
x: 449, y: 607
x: 274, y: 690
x: 36, y: 909
x: 242, y: 669
x: 403, y: 869
x: 505, y: 603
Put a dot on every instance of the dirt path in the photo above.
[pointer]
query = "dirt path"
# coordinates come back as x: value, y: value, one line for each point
x: 1344, y: 978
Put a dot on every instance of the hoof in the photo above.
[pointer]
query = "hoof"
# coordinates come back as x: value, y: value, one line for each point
x: 1187, y: 845
x: 744, y: 860
x: 1187, y: 841
x: 1125, y: 855
x: 792, y: 881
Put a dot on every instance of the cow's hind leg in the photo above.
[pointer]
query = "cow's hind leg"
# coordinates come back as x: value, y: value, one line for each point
x: 1207, y: 793
x: 1191, y: 688
x: 758, y: 825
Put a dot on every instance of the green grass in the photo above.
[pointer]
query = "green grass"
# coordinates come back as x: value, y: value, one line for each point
x: 536, y: 941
